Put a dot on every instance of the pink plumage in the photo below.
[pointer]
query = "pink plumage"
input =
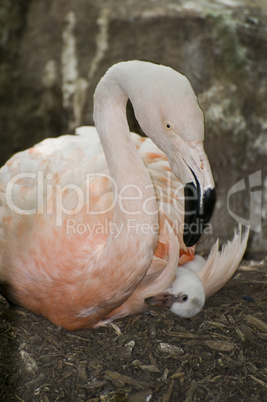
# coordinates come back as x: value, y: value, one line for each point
x: 92, y: 225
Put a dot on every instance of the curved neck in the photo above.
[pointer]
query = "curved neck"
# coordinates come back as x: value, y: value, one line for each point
x: 135, y: 209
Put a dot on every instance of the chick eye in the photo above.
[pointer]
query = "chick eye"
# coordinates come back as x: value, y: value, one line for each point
x: 168, y: 126
x: 184, y: 297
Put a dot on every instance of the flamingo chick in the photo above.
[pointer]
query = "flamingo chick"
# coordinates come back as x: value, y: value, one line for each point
x: 194, y: 281
x: 200, y: 278
x: 94, y: 222
x: 185, y: 297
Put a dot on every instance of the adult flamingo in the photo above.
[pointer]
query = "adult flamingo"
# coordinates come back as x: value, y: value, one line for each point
x: 78, y: 245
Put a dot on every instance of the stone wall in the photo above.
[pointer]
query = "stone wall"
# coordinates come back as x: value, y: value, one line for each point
x: 53, y: 53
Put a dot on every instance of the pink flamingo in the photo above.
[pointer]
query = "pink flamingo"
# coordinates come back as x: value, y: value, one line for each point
x: 96, y: 226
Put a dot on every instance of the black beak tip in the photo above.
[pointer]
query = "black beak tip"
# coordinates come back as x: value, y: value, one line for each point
x: 190, y: 239
x: 197, y: 212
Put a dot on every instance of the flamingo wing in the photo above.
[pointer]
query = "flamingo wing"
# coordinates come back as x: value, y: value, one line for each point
x: 42, y: 259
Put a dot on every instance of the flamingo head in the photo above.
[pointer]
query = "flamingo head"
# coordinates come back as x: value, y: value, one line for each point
x: 185, y: 297
x: 167, y: 110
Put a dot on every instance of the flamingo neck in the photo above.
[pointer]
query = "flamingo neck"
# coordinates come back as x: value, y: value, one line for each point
x: 135, y: 210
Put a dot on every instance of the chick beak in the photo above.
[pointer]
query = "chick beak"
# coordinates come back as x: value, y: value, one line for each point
x: 161, y: 300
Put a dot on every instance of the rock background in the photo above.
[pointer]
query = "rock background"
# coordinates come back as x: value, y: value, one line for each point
x: 53, y: 53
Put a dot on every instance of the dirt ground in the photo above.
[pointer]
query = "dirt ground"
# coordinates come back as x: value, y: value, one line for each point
x: 219, y: 355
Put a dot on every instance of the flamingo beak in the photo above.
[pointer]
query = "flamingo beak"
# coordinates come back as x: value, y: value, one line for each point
x: 161, y: 300
x: 191, y: 166
x: 198, y: 207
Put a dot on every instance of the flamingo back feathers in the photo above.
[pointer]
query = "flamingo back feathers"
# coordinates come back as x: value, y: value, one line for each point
x: 65, y: 161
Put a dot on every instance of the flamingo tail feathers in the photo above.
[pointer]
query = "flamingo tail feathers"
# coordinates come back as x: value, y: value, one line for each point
x: 221, y: 265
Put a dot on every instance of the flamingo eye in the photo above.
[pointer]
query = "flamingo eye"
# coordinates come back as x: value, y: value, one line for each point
x: 184, y: 297
x: 168, y: 126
